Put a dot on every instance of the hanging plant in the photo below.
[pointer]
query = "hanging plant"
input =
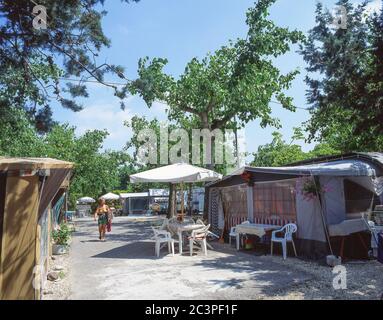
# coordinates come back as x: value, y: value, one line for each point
x: 309, y: 188
x: 246, y: 176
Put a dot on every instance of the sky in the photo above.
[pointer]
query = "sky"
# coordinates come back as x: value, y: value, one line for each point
x: 180, y: 30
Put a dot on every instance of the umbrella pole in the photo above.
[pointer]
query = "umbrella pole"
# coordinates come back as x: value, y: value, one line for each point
x: 182, y: 201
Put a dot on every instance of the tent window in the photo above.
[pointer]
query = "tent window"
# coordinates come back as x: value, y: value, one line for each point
x: 235, y: 204
x: 275, y: 202
x: 358, y: 199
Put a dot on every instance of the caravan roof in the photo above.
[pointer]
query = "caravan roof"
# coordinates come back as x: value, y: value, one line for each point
x: 349, y: 165
x: 134, y: 195
x: 32, y: 164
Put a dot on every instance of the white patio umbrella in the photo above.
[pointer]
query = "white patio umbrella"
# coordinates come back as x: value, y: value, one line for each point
x: 86, y: 200
x: 110, y: 196
x: 177, y: 173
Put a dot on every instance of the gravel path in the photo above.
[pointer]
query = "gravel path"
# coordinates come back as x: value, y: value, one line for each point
x: 124, y: 267
x: 60, y: 289
x: 364, y: 281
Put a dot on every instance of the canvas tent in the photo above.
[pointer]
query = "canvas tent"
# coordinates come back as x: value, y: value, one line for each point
x: 354, y: 185
x: 110, y: 196
x: 141, y: 202
x: 29, y: 190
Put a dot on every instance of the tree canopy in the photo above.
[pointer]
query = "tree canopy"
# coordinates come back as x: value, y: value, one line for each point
x: 236, y: 81
x: 346, y: 79
x: 33, y: 62
x: 96, y: 171
x: 279, y: 153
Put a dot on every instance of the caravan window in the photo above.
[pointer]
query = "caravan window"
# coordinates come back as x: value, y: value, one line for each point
x: 274, y: 202
x: 358, y: 199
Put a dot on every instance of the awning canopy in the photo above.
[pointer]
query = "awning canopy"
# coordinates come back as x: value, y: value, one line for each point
x: 354, y: 168
x: 340, y: 168
x: 176, y: 173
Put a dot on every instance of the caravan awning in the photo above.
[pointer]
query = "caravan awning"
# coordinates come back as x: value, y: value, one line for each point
x: 354, y: 168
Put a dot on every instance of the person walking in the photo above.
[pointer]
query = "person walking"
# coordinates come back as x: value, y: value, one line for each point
x: 102, y: 216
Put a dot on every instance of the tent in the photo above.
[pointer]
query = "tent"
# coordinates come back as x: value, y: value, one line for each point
x: 348, y: 186
x: 110, y: 196
x: 135, y: 202
x: 176, y: 173
x: 30, y: 191
x: 86, y: 200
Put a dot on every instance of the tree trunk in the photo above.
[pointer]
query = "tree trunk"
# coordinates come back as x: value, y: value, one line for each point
x: 172, y: 200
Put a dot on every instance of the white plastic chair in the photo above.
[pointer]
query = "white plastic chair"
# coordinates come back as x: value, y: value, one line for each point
x: 240, y: 235
x: 288, y: 230
x: 162, y: 237
x: 199, y: 221
x: 199, y: 236
x: 232, y: 234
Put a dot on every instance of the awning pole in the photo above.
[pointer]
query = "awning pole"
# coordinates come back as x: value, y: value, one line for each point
x: 322, y: 215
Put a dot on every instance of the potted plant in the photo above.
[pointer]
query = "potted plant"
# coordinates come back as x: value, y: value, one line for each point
x: 310, y: 188
x: 61, y: 237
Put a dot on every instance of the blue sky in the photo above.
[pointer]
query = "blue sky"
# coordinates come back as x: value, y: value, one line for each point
x: 180, y: 30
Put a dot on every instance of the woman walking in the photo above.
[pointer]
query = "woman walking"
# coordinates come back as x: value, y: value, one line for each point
x: 102, y: 214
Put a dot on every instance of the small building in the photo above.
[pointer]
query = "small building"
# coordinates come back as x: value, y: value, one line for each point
x: 31, y: 192
x: 349, y: 187
x: 140, y: 202
x: 135, y: 203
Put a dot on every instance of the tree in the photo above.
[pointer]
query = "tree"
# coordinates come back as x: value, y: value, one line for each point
x: 345, y: 79
x: 18, y: 136
x: 229, y: 88
x: 138, y: 124
x: 33, y: 62
x: 95, y: 171
x: 280, y: 153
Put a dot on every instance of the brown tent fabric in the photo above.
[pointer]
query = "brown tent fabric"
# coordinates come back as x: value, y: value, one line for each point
x: 18, y: 256
x: 7, y: 164
x: 3, y: 185
x: 50, y: 187
x: 235, y: 203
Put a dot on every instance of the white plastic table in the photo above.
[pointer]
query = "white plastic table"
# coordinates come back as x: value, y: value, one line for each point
x: 253, y: 228
x: 179, y: 228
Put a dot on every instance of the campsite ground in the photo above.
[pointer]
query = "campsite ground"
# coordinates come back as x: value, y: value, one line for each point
x: 124, y: 267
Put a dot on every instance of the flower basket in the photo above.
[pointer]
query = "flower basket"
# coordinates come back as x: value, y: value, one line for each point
x: 310, y: 188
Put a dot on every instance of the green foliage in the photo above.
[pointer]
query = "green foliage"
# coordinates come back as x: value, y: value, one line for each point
x: 62, y: 235
x: 279, y: 153
x: 95, y: 172
x: 345, y: 79
x: 30, y: 74
x: 238, y: 80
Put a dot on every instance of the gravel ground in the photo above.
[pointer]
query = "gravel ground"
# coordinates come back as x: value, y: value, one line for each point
x: 250, y: 277
x: 60, y: 289
x: 364, y: 281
